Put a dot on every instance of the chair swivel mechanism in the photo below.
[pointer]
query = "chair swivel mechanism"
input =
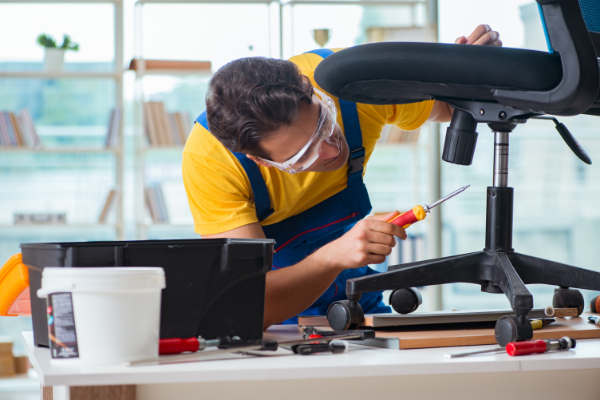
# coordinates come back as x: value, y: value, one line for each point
x: 501, y: 87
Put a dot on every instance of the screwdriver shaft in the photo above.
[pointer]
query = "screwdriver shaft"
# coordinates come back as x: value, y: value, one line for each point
x: 443, y: 199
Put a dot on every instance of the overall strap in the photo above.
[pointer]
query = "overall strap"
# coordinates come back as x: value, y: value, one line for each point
x: 262, y: 201
x: 352, y: 131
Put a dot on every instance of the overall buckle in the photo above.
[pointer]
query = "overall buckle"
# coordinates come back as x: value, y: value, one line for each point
x: 356, y: 161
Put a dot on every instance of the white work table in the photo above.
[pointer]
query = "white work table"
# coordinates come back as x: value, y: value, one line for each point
x: 363, y: 372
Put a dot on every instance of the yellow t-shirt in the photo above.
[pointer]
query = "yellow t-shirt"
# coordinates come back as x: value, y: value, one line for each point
x: 219, y: 192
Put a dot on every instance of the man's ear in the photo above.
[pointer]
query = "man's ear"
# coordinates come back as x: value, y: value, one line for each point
x: 259, y: 161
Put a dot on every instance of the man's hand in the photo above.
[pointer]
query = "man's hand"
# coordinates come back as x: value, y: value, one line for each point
x: 482, y: 35
x: 368, y: 242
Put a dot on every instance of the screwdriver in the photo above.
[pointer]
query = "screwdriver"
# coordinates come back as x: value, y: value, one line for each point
x: 178, y: 345
x: 526, y: 347
x: 335, y: 347
x: 419, y: 213
x: 258, y: 344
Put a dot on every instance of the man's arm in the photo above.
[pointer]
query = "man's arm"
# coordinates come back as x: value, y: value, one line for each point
x: 293, y: 289
x: 441, y: 112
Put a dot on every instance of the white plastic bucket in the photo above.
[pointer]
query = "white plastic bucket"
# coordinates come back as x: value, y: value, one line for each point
x: 116, y: 312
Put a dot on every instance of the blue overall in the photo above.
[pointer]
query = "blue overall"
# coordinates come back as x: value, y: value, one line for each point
x: 299, y: 236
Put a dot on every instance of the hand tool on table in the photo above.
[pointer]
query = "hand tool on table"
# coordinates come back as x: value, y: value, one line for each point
x: 313, y: 332
x: 594, y: 319
x: 561, y: 312
x: 419, y: 213
x: 526, y: 347
x: 540, y: 323
x: 261, y: 344
x: 335, y: 347
x: 179, y: 345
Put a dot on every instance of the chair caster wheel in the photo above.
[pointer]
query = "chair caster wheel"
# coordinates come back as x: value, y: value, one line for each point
x: 511, y: 328
x: 344, y: 314
x: 406, y: 300
x: 568, y: 298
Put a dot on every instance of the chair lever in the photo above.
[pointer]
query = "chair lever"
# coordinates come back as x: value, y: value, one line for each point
x: 569, y: 140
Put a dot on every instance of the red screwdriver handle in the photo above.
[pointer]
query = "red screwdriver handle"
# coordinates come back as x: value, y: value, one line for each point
x: 407, y: 218
x: 410, y: 217
x: 176, y: 345
x: 522, y: 348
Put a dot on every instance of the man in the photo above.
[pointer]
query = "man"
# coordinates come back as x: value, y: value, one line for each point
x: 274, y: 156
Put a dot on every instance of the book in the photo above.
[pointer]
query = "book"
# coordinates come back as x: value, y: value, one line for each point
x: 114, y: 127
x: 155, y: 202
x: 184, y: 126
x: 4, y: 138
x: 110, y: 201
x: 165, y: 131
x: 164, y: 215
x: 29, y: 128
x: 8, y: 138
x: 24, y: 139
x: 134, y: 65
x: 15, y: 128
x: 162, y: 128
x: 150, y: 127
x: 175, y: 128
x: 151, y: 204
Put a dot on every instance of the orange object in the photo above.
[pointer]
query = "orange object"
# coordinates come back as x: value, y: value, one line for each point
x: 14, y: 288
x: 410, y: 217
x: 595, y: 304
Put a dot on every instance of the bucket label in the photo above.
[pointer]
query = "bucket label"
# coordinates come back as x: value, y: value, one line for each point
x: 61, y: 326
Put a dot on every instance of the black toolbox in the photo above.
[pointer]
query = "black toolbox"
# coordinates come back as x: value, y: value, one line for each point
x: 215, y: 287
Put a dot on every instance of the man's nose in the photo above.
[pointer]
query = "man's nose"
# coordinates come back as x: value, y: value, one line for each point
x: 329, y: 149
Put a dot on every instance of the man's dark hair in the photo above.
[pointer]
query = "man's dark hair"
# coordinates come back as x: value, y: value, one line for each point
x: 250, y: 98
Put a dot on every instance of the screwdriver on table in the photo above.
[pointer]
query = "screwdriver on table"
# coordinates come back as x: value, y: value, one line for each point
x: 419, y: 213
x: 178, y: 345
x: 257, y: 344
x: 526, y: 347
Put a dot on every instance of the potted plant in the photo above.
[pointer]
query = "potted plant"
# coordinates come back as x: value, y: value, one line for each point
x: 54, y: 56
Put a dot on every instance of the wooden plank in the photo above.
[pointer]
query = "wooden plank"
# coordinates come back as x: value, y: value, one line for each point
x: 452, y: 335
x: 437, y: 317
x: 120, y: 392
x: 471, y: 334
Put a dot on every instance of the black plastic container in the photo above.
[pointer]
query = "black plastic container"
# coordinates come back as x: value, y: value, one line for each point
x: 215, y: 287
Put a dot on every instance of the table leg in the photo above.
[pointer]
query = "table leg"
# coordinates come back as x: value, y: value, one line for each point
x: 47, y: 393
x: 118, y: 392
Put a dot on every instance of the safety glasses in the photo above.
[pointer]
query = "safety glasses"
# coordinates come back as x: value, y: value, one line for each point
x: 323, y: 134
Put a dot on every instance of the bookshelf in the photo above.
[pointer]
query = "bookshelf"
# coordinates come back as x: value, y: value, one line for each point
x: 115, y: 151
x: 147, y: 148
x: 158, y: 132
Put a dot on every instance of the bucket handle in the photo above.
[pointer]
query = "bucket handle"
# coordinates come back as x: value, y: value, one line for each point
x: 45, y: 291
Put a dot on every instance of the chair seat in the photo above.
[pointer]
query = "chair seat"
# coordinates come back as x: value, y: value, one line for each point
x: 405, y: 72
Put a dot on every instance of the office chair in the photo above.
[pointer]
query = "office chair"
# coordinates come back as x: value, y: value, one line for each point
x: 502, y: 87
